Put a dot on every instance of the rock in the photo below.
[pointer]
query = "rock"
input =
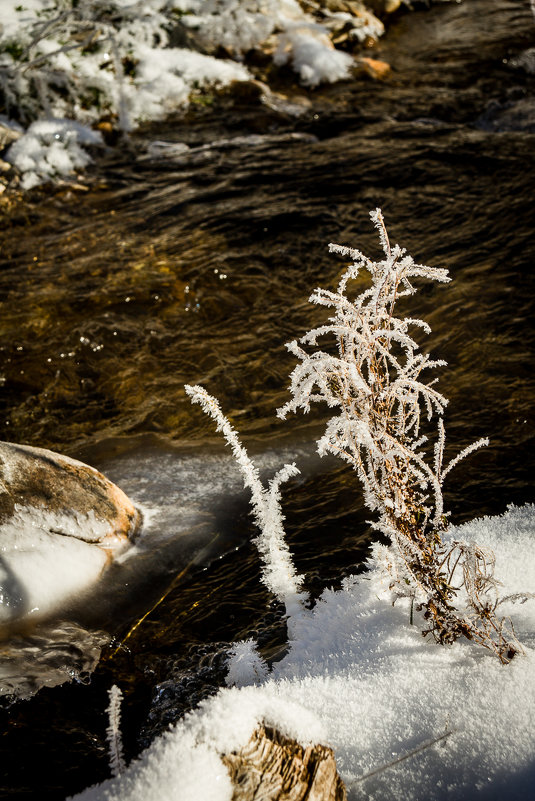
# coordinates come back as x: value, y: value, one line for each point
x: 383, y: 7
x: 272, y: 767
x: 8, y: 134
x: 378, y: 70
x: 247, y: 92
x: 61, y: 522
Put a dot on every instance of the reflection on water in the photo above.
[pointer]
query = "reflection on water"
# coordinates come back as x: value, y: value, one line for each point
x: 196, y: 270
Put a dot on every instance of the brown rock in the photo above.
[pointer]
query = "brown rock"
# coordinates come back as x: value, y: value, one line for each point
x: 383, y: 7
x: 272, y: 767
x: 43, y: 480
x: 378, y: 70
x: 8, y: 135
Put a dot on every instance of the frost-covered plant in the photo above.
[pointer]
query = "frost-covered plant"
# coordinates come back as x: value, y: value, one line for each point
x: 377, y: 385
x: 245, y: 666
x: 278, y: 572
x: 113, y: 732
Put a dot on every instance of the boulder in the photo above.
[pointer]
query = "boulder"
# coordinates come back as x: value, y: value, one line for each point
x: 372, y: 67
x: 61, y: 523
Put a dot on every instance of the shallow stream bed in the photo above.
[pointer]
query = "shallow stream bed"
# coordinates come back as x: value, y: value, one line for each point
x: 194, y: 266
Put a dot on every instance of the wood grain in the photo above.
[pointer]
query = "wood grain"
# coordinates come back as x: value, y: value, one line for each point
x: 272, y: 767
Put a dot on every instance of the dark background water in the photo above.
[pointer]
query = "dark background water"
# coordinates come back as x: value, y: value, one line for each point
x: 197, y: 269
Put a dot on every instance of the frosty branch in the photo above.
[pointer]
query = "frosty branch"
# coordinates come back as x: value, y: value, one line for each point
x: 113, y: 732
x: 375, y: 382
x: 278, y: 572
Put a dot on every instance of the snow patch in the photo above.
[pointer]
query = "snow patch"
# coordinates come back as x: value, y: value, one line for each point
x: 45, y: 558
x: 312, y: 55
x: 52, y: 149
x: 406, y: 717
x: 186, y: 759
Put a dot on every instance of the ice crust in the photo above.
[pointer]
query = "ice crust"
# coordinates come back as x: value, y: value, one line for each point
x: 45, y: 558
x: 359, y: 677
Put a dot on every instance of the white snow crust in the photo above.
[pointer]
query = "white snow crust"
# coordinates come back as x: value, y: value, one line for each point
x: 47, y: 557
x: 184, y: 763
x: 361, y: 678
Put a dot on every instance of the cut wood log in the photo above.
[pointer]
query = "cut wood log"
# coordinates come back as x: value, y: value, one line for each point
x: 272, y: 767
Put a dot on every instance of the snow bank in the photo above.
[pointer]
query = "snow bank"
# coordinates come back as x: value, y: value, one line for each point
x: 98, y: 58
x: 184, y: 763
x: 52, y: 149
x: 361, y: 678
x: 382, y: 689
x: 90, y: 61
x: 117, y: 60
x: 165, y: 78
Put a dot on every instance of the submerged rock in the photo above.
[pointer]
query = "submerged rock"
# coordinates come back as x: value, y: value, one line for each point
x: 61, y: 522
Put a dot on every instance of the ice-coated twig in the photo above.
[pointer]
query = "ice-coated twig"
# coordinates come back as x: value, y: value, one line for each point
x: 402, y: 758
x: 278, y: 572
x: 113, y: 732
x: 481, y: 443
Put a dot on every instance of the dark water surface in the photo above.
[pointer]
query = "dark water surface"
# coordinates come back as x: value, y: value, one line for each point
x: 195, y: 267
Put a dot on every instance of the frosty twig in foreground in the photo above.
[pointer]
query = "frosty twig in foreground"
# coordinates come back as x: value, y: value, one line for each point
x: 278, y: 573
x: 374, y: 383
x: 115, y: 743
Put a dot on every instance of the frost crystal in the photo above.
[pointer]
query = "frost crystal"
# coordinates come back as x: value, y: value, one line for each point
x: 113, y: 731
x: 246, y: 666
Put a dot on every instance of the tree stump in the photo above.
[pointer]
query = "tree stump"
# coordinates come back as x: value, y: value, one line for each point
x: 272, y: 767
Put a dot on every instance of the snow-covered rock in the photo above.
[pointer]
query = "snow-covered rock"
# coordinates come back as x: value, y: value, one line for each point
x: 61, y: 522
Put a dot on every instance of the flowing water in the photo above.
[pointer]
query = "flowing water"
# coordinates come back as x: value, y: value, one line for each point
x: 194, y: 266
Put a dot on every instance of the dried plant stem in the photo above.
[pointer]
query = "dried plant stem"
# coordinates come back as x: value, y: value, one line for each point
x: 402, y: 758
x: 377, y: 387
